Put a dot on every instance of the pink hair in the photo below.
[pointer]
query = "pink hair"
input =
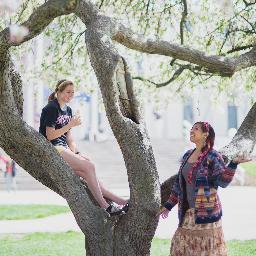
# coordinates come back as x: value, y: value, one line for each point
x: 206, y: 127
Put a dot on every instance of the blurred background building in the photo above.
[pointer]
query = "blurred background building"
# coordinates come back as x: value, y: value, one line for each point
x: 171, y: 122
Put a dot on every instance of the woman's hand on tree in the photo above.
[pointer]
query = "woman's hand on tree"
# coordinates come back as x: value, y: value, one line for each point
x: 163, y: 212
x: 241, y: 159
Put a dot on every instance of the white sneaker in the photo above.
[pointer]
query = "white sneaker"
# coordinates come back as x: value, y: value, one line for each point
x: 113, y: 209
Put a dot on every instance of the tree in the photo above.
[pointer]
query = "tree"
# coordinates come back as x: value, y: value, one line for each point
x: 130, y: 234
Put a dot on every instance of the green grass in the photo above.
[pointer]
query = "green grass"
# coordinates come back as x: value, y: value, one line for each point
x: 43, y: 244
x: 72, y: 244
x: 25, y: 212
x: 242, y: 248
x: 250, y: 168
x: 160, y: 247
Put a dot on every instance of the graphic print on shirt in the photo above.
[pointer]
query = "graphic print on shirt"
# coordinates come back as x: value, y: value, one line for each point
x: 63, y: 119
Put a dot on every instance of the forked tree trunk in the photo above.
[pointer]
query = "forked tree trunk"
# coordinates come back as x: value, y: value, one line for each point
x: 133, y: 233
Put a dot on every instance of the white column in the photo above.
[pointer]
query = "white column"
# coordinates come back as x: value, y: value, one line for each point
x: 105, y: 126
x: 38, y: 85
x: 28, y: 105
x: 173, y: 121
x: 243, y: 109
x: 148, y: 116
x: 28, y: 93
x: 94, y: 116
x: 202, y: 105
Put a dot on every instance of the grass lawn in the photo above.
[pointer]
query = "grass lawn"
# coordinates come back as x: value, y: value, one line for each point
x: 25, y: 212
x: 250, y: 168
x: 43, y: 244
x: 72, y: 244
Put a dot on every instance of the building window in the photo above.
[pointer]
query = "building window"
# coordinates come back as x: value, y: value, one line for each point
x: 188, y: 114
x: 232, y: 116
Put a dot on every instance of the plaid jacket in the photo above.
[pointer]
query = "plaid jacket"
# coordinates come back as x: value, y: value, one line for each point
x: 210, y: 174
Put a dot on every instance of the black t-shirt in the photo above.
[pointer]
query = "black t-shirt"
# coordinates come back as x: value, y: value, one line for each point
x: 53, y: 116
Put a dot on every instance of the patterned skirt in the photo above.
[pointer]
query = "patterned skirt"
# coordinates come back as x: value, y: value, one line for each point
x: 198, y: 239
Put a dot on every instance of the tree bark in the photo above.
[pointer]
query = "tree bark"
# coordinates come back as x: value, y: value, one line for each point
x: 223, y: 66
x: 245, y: 138
x: 39, y: 158
x: 134, y: 232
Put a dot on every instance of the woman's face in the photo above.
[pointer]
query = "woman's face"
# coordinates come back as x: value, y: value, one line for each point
x: 197, y: 135
x: 66, y: 95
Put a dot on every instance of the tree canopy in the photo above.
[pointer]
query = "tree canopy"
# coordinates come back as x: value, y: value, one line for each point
x: 221, y: 31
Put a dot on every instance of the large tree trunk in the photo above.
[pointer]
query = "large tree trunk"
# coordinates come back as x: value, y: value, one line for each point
x: 134, y: 232
x: 36, y: 155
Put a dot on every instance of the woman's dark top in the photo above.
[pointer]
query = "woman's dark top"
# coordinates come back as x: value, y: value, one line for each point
x: 190, y: 188
x: 53, y: 116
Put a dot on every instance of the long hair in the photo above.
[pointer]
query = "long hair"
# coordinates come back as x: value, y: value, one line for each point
x: 60, y: 87
x: 209, y: 143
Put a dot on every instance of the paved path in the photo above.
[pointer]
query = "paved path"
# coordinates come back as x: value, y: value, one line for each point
x: 238, y: 222
x: 109, y: 163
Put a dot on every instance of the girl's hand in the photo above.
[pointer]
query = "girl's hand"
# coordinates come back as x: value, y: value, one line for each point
x: 241, y: 159
x: 163, y: 212
x: 81, y: 155
x: 75, y: 121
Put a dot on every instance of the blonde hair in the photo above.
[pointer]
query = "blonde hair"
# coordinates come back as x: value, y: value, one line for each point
x: 60, y: 87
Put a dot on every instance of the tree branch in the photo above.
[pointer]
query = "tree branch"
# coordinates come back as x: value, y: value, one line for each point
x: 213, y: 63
x: 245, y: 138
x: 176, y: 74
x: 240, y: 48
x: 166, y: 188
x: 252, y: 25
x: 16, y: 84
x: 224, y: 40
x: 229, y: 20
x: 39, y: 19
x: 194, y: 69
x: 101, y: 4
x: 218, y: 65
x: 183, y: 20
x: 147, y: 7
x: 249, y: 3
x: 69, y: 50
x: 24, y: 6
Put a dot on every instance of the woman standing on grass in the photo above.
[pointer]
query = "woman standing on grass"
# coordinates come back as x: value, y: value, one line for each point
x: 195, y: 190
x: 56, y: 123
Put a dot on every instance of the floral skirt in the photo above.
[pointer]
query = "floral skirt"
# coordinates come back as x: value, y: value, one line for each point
x: 198, y: 239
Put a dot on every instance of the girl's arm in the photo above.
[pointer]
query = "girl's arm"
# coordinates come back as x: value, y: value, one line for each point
x: 223, y: 174
x: 173, y: 198
x: 52, y: 134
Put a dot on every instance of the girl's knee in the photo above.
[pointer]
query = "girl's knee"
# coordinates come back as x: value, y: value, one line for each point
x: 89, y: 166
x: 79, y: 173
x: 86, y: 168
